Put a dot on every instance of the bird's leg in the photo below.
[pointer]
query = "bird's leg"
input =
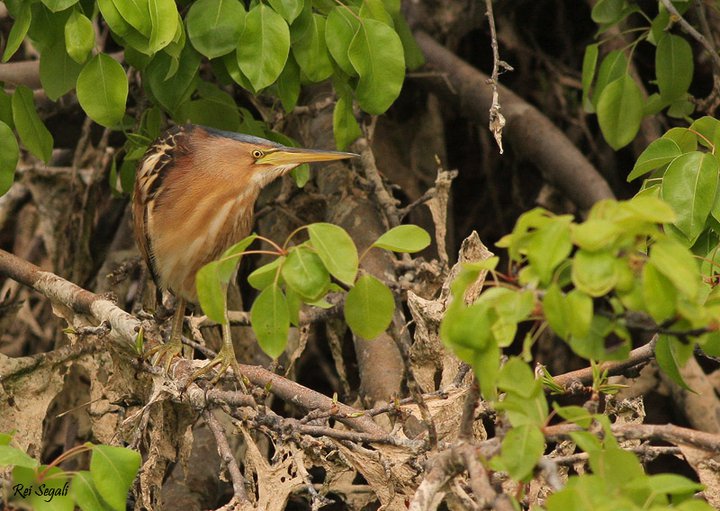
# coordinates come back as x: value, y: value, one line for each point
x: 174, y: 345
x: 225, y: 358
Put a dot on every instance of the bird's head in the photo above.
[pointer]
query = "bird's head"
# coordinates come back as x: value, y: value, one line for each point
x: 252, y: 159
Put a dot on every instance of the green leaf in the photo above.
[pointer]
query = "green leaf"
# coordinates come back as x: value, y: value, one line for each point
x: 113, y: 470
x: 135, y: 13
x: 681, y: 108
x: 85, y: 493
x: 79, y: 36
x: 580, y: 309
x: 345, y: 127
x: 208, y: 113
x: 556, y: 311
x: 592, y: 346
x: 516, y: 377
x: 660, y: 152
x: 164, y: 23
x: 576, y: 414
x: 548, y: 247
x: 9, y: 154
x: 616, y: 466
x: 58, y: 71
x: 263, y: 276
x: 369, y: 307
x: 172, y: 89
x: 594, y: 273
x: 19, y: 29
x: 30, y: 128
x: 288, y: 84
x: 263, y: 47
x: 588, y: 73
x: 211, y: 291
x: 310, y: 49
x: 659, y: 294
x: 214, y: 26
x: 620, y: 111
x: 305, y: 273
x: 404, y: 238
x: 673, y: 66
x: 13, y: 457
x: 215, y: 108
x: 55, y: 482
x: 708, y: 129
x: 230, y: 259
x: 301, y: 175
x: 612, y: 67
x: 467, y: 329
x: 336, y: 249
x: 672, y: 484
x: 102, y: 90
x: 485, y: 364
x: 606, y: 12
x: 340, y: 28
x: 522, y: 448
x: 669, y: 361
x: 270, y: 320
x: 595, y: 234
x: 568, y: 315
x: 414, y: 57
x: 59, y: 5
x: 678, y: 264
x: 288, y: 9
x: 6, y: 114
x: 376, y: 54
x: 683, y: 137
x: 375, y: 10
x: 689, y: 187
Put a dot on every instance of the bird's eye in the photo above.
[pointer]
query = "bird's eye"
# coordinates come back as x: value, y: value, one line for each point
x: 257, y: 153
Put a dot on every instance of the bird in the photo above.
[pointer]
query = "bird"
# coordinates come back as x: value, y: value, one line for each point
x: 194, y: 196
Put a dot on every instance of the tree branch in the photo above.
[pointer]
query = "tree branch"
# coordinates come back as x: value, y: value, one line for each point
x: 527, y: 131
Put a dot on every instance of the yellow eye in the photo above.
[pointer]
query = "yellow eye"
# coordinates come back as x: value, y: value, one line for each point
x: 257, y: 153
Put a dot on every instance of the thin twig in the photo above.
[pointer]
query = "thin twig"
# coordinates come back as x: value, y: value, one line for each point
x: 676, y: 435
x: 468, y: 414
x: 223, y: 447
x: 638, y: 356
x: 497, y: 120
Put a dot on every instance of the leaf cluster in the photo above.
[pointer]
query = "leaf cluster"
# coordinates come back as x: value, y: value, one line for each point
x: 613, y: 94
x: 303, y: 274
x: 586, y: 281
x: 363, y: 46
x: 618, y: 480
x: 103, y: 487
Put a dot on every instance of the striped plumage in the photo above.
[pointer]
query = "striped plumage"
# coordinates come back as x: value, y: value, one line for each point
x: 194, y: 197
x: 195, y: 190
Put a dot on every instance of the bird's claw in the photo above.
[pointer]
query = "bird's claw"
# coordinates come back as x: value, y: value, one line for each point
x: 225, y: 359
x: 167, y: 351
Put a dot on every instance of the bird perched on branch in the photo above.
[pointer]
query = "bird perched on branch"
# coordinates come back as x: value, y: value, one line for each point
x: 195, y: 191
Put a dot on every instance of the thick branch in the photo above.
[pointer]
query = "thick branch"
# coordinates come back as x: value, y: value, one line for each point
x: 125, y: 328
x: 527, y: 131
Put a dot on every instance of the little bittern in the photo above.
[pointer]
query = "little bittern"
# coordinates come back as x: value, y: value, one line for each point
x: 194, y: 196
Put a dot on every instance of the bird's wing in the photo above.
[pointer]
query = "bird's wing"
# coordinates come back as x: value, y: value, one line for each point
x: 149, y: 178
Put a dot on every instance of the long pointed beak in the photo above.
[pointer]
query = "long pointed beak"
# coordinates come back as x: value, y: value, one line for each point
x: 296, y: 155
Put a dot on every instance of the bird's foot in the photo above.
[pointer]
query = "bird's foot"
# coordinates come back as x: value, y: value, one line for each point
x: 225, y: 359
x: 166, y: 351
